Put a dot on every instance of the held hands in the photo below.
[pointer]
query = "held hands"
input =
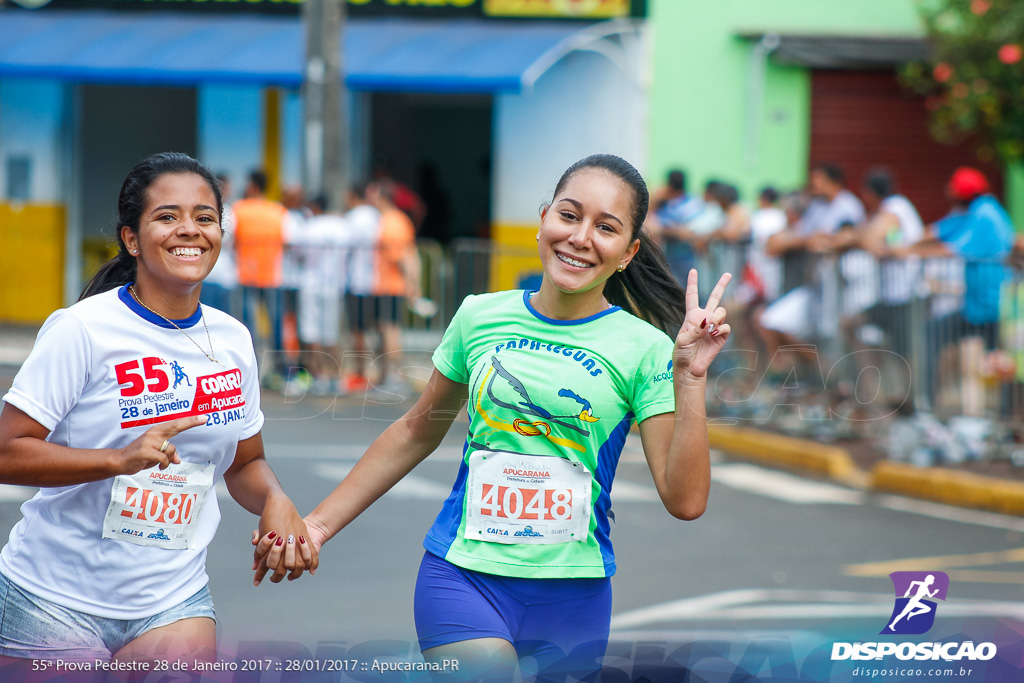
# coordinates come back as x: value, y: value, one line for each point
x: 154, y: 447
x: 283, y: 544
x: 703, y: 332
x: 318, y: 534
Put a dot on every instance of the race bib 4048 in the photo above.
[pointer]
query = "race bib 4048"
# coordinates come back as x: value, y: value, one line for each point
x: 157, y: 390
x: 516, y: 498
x: 158, y: 507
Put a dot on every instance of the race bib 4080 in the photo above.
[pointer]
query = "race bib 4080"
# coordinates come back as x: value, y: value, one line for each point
x: 157, y: 507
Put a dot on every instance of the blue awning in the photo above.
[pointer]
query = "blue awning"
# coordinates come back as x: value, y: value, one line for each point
x: 165, y: 48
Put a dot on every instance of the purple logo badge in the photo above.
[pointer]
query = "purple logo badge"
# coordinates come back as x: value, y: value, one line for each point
x: 916, y: 592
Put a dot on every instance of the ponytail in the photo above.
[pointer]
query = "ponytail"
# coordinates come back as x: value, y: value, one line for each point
x: 648, y: 290
x: 116, y: 272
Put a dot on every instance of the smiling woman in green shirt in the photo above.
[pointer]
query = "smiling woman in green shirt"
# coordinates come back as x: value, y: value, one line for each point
x: 518, y: 561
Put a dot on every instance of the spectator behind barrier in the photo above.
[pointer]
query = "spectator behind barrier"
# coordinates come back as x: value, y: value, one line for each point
x: 671, y: 209
x: 261, y: 231
x: 762, y: 275
x: 323, y: 247
x: 979, y: 231
x: 791, y: 319
x: 363, y: 221
x: 894, y: 223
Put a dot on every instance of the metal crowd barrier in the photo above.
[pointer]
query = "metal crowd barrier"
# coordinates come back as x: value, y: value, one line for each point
x: 882, y: 340
x: 882, y: 337
x: 319, y: 288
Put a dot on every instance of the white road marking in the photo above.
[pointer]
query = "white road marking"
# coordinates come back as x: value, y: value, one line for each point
x: 411, y: 486
x: 685, y: 608
x: 343, y: 453
x: 767, y: 604
x: 16, y: 494
x: 949, y: 513
x: 627, y: 492
x: 783, y: 486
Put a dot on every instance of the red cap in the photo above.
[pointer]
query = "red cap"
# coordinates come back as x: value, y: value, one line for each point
x: 967, y: 183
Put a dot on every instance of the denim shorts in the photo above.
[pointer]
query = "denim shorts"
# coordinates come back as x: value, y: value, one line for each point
x: 34, y: 628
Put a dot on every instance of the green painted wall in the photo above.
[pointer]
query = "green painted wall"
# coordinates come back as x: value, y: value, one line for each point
x: 1015, y: 195
x: 699, y: 94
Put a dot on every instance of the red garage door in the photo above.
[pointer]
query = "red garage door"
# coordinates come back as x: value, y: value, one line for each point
x: 864, y: 119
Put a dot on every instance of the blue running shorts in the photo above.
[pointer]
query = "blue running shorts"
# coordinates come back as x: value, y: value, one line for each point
x: 561, y: 624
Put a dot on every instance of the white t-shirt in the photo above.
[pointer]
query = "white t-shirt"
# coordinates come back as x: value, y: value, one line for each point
x: 764, y: 223
x: 101, y: 373
x: 292, y: 265
x: 900, y: 276
x: 710, y: 218
x: 364, y: 227
x: 324, y: 247
x: 829, y: 216
x: 856, y: 267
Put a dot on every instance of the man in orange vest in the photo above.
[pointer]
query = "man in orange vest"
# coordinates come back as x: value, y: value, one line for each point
x: 397, y: 277
x: 261, y: 231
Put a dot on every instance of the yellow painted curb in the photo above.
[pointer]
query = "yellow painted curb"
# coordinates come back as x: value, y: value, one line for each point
x: 951, y: 487
x: 784, y: 451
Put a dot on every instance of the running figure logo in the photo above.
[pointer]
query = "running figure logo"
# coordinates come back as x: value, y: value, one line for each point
x: 914, y: 612
x: 179, y: 374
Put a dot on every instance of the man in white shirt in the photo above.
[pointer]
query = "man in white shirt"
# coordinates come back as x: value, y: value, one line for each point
x: 894, y: 224
x: 323, y: 247
x: 363, y: 224
x: 765, y: 272
x: 791, y: 319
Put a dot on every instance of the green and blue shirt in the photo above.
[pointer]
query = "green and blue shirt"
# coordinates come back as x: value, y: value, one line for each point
x: 563, y: 389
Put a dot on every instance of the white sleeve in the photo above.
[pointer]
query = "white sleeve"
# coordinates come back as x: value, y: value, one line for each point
x: 52, y: 379
x: 290, y: 232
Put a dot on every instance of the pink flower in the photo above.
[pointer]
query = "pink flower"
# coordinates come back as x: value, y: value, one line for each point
x: 979, y: 7
x: 1010, y: 53
x: 942, y: 72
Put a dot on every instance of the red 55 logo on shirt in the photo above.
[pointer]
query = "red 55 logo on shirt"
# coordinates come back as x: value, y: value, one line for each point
x: 157, y: 390
x: 139, y: 379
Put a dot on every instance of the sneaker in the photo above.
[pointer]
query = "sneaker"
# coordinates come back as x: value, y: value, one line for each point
x: 320, y: 386
x: 354, y: 383
x: 393, y: 388
x: 297, y: 386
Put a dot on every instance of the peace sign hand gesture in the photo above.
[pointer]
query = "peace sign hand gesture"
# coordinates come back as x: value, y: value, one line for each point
x: 703, y: 332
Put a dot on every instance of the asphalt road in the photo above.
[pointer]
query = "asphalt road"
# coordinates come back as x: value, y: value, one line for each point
x: 778, y: 569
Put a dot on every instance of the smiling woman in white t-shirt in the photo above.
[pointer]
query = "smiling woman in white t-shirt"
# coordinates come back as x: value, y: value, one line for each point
x: 132, y: 404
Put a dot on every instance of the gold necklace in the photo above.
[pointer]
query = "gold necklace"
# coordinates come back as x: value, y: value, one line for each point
x: 211, y: 355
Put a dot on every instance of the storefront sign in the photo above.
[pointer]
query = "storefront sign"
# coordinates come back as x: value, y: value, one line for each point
x: 582, y: 9
x: 498, y: 9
